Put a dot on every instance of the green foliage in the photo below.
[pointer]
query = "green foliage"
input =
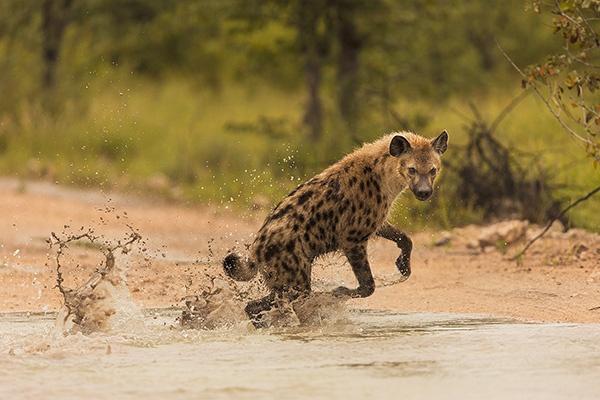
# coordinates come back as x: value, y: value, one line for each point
x: 569, y: 79
x: 205, y: 100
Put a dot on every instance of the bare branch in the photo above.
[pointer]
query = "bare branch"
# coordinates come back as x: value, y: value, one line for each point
x: 551, y: 222
x: 504, y: 113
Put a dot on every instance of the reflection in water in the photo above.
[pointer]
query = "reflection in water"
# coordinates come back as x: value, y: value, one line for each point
x: 375, y: 354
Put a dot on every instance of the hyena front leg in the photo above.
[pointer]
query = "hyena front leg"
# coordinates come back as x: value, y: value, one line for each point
x: 357, y: 256
x: 389, y: 232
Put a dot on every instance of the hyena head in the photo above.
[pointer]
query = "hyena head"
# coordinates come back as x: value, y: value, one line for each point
x: 419, y: 161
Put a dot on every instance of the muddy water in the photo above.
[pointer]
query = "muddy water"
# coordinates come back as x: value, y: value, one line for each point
x: 367, y: 354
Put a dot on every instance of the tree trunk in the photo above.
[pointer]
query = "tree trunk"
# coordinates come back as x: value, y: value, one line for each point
x: 313, y: 116
x: 308, y: 37
x: 54, y: 22
x: 484, y: 44
x: 348, y: 62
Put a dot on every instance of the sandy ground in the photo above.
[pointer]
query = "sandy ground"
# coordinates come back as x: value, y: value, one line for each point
x: 558, y: 280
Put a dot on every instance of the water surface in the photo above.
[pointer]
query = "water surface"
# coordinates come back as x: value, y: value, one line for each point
x: 370, y: 355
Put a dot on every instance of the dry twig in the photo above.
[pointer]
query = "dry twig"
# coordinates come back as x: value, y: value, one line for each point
x: 549, y: 225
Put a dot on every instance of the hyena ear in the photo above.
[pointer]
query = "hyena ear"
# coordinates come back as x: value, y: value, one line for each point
x: 440, y: 143
x: 399, y: 145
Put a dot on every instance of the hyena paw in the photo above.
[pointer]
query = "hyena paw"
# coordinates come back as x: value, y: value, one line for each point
x: 403, y: 266
x: 342, y: 291
x: 361, y: 291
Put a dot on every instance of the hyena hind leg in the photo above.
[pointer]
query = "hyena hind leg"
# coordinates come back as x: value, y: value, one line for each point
x: 256, y: 309
x: 357, y: 257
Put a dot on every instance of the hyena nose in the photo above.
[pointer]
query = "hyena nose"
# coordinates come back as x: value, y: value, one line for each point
x: 423, y: 194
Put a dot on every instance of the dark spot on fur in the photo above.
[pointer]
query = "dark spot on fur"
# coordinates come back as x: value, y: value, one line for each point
x: 281, y: 213
x: 296, y: 259
x: 290, y: 246
x: 334, y: 185
x: 287, y: 268
x: 334, y: 243
x: 304, y: 197
x: 322, y: 231
x: 376, y: 184
x: 271, y: 251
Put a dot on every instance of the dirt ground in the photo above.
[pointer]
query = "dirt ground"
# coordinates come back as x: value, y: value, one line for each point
x: 557, y: 280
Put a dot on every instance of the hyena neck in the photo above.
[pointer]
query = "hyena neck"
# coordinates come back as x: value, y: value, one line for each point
x: 392, y: 183
x: 376, y: 155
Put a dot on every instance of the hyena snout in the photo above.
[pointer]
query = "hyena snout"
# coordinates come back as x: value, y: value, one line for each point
x: 422, y: 187
x: 422, y: 191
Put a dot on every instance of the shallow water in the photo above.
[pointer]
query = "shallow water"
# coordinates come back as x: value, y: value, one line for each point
x: 376, y: 354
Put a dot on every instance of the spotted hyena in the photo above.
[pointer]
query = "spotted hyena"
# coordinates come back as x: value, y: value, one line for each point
x: 340, y: 209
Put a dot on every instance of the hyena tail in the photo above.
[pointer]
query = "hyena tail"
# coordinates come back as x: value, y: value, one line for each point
x: 238, y: 268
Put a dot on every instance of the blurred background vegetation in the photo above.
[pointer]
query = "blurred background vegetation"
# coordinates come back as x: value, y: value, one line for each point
x: 234, y: 102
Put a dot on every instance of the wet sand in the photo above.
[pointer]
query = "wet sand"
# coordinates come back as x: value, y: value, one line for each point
x: 558, y: 280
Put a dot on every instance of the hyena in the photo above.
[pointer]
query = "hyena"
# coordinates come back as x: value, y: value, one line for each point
x: 340, y: 209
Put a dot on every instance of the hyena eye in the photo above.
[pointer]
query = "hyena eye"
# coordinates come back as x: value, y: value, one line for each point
x: 412, y: 171
x: 433, y: 171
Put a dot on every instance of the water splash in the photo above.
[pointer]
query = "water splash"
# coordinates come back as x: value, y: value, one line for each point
x: 218, y: 306
x: 103, y: 301
x: 221, y: 305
